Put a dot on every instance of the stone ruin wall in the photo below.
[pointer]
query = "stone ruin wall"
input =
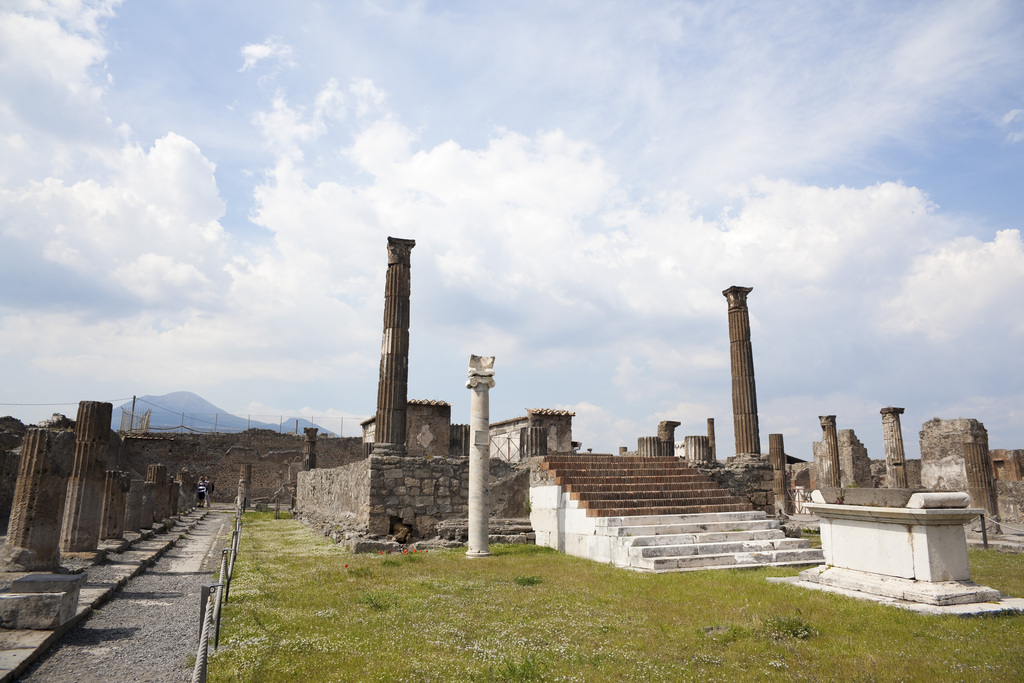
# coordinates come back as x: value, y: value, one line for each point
x: 854, y: 464
x: 749, y: 478
x: 1010, y: 498
x: 274, y: 458
x: 370, y: 497
x: 943, y: 466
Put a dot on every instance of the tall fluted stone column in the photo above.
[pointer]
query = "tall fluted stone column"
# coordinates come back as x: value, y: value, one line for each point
x: 711, y: 438
x: 393, y: 388
x: 480, y: 380
x: 980, y: 482
x: 115, y: 491
x: 667, y: 437
x: 33, y: 534
x: 83, y: 509
x: 244, y: 484
x: 309, y: 448
x: 698, y: 450
x: 895, y: 458
x: 648, y: 446
x: 829, y: 466
x: 741, y: 354
x: 777, y: 458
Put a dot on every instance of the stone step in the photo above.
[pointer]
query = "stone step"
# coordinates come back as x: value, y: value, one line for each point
x: 647, y: 530
x: 659, y: 520
x: 606, y: 477
x: 552, y: 461
x: 670, y: 499
x: 664, y: 510
x: 625, y: 493
x: 719, y: 548
x: 758, y: 558
x: 708, y: 537
x: 627, y: 487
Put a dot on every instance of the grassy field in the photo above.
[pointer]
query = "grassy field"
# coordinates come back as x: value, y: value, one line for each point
x: 303, y: 609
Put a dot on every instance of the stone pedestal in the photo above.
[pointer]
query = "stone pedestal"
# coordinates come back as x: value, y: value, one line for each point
x: 309, y: 448
x: 741, y: 354
x: 828, y: 474
x: 777, y: 459
x: 481, y: 379
x: 393, y: 387
x: 33, y: 534
x: 115, y: 492
x: 895, y: 458
x: 917, y: 553
x: 83, y: 509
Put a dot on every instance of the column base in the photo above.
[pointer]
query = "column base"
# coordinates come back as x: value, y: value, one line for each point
x: 474, y: 554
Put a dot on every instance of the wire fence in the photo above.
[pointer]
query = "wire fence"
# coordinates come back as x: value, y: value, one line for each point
x: 227, y: 423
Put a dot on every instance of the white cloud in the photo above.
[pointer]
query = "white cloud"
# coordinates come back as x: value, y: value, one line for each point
x: 272, y: 47
x: 962, y: 285
x: 1014, y: 117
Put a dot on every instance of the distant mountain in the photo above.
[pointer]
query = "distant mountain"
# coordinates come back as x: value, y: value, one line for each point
x: 185, y: 411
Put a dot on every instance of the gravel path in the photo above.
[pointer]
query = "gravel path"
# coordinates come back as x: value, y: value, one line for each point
x: 149, y: 630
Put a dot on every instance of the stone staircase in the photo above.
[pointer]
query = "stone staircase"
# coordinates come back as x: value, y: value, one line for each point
x: 654, y: 514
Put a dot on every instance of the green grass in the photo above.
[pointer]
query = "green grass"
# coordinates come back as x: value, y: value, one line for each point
x: 303, y: 609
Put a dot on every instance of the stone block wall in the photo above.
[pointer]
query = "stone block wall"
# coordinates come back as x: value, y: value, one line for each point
x: 339, y: 496
x: 942, y: 452
x: 750, y: 478
x: 218, y: 456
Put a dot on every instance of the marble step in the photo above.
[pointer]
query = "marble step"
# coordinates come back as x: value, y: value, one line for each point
x: 718, y: 548
x: 758, y: 558
x: 708, y: 537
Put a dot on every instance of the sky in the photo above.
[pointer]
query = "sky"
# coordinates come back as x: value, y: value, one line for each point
x: 197, y: 196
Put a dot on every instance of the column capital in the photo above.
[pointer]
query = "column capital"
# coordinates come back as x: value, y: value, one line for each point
x: 889, y: 410
x: 737, y: 296
x: 481, y: 371
x: 400, y: 250
x: 827, y: 420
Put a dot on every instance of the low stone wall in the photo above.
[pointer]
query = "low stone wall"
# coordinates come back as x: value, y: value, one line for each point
x: 371, y: 496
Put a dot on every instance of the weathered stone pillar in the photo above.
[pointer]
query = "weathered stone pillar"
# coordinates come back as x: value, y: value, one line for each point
x: 175, y: 496
x: 698, y: 449
x: 33, y: 534
x: 980, y: 482
x: 186, y: 489
x: 711, y: 438
x: 157, y: 475
x: 115, y: 490
x: 309, y: 448
x: 648, y: 446
x: 133, y: 507
x: 83, y: 508
x: 744, y: 394
x: 393, y: 388
x: 895, y: 459
x: 777, y: 458
x: 244, y: 484
x: 147, y: 515
x: 481, y: 379
x: 533, y: 441
x: 829, y: 474
x: 667, y: 437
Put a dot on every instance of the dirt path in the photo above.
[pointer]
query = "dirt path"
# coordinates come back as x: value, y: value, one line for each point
x: 149, y: 630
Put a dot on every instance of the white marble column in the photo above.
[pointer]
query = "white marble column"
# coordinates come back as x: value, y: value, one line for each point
x: 481, y: 379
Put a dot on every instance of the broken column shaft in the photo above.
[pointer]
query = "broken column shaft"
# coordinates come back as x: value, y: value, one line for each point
x: 309, y: 448
x: 830, y: 463
x: 777, y: 458
x: 895, y: 458
x: 83, y: 509
x: 741, y: 354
